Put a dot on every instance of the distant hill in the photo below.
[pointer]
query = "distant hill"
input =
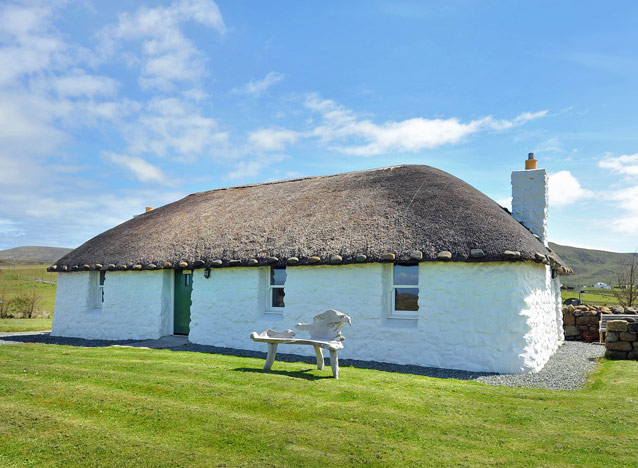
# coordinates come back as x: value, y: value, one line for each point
x: 590, y: 266
x: 34, y: 254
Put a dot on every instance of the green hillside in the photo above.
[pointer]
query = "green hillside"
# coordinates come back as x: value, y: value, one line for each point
x: 33, y: 254
x: 590, y: 266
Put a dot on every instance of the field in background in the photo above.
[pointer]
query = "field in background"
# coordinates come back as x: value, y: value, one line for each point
x: 602, y: 297
x: 25, y: 325
x: 26, y: 280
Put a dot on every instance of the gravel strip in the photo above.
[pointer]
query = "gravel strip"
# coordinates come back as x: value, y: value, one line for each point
x: 566, y: 370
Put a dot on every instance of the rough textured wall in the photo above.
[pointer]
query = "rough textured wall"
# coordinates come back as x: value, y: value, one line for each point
x: 621, y: 339
x: 137, y: 305
x: 530, y: 200
x: 485, y: 317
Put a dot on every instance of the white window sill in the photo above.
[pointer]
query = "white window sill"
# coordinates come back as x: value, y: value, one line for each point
x: 273, y: 316
x: 401, y: 322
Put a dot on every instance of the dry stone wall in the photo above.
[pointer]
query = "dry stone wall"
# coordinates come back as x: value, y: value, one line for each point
x: 580, y: 323
x: 621, y: 340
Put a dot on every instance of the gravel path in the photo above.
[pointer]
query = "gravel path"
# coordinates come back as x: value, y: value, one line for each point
x: 566, y: 370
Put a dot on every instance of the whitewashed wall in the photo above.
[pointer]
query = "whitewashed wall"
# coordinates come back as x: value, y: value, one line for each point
x: 137, y: 305
x: 502, y: 317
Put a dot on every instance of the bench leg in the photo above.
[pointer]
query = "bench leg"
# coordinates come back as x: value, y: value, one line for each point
x: 319, y: 353
x: 334, y: 362
x: 272, y: 352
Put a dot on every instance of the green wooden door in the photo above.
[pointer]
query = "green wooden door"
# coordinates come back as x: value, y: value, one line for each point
x: 182, y: 314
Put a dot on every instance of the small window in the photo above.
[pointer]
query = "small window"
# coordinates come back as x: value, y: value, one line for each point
x: 100, y: 289
x: 405, y: 291
x: 276, y: 290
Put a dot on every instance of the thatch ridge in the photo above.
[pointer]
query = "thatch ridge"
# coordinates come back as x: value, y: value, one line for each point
x: 403, y: 213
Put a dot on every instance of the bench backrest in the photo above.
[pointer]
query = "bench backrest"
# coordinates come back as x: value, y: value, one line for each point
x: 604, y: 318
x: 326, y: 326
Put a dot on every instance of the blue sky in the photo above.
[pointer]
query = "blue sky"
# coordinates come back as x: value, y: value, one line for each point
x: 107, y: 107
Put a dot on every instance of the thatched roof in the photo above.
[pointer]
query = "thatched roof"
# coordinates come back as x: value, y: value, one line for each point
x: 400, y: 213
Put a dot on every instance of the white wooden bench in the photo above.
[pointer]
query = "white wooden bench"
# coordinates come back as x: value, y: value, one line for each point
x: 604, y: 318
x: 325, y: 333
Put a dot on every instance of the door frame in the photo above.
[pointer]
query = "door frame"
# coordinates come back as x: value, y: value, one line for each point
x: 172, y: 320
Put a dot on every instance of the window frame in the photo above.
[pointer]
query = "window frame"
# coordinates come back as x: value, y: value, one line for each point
x: 99, y: 292
x: 270, y: 309
x: 403, y: 314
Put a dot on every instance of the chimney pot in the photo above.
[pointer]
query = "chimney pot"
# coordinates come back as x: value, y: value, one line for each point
x: 149, y: 208
x: 530, y: 162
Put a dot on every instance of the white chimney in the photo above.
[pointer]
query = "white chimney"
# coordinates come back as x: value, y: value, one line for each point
x: 530, y: 198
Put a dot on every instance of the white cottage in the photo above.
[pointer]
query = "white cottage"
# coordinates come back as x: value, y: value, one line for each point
x: 432, y: 271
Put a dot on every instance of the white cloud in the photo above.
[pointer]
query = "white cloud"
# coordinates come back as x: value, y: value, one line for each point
x: 258, y: 87
x: 9, y: 228
x: 270, y: 139
x: 82, y: 84
x: 364, y: 138
x: 627, y: 164
x: 166, y: 57
x: 564, y: 189
x: 29, y: 43
x: 173, y: 128
x: 627, y: 199
x: 140, y: 168
x: 252, y: 168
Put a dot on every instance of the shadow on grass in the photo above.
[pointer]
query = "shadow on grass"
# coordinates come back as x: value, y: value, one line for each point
x: 302, y: 374
x: 46, y: 338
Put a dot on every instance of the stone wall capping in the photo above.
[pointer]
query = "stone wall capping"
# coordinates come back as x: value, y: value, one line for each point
x: 272, y: 260
x: 477, y: 253
x: 137, y: 266
x: 183, y: 264
x: 512, y: 255
x: 111, y: 267
x: 122, y: 267
x: 314, y: 259
x: 416, y: 255
x: 65, y: 268
x: 86, y: 266
x: 98, y: 266
x: 168, y: 265
x: 539, y: 257
x: 360, y: 258
x: 198, y: 264
x: 253, y: 262
x: 216, y: 263
x: 335, y: 259
x: 75, y: 268
x: 444, y: 255
x: 234, y: 262
x: 292, y: 260
x: 150, y: 266
x: 388, y: 257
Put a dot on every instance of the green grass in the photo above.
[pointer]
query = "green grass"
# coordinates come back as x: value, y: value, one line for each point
x: 25, y: 325
x: 71, y: 406
x: 602, y: 297
x: 13, y: 282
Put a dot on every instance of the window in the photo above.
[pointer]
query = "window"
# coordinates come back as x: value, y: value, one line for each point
x: 276, y: 290
x: 405, y: 292
x: 99, y: 299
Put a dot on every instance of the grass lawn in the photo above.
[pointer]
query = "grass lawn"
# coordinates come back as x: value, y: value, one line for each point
x: 601, y: 297
x: 71, y: 406
x: 25, y: 325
